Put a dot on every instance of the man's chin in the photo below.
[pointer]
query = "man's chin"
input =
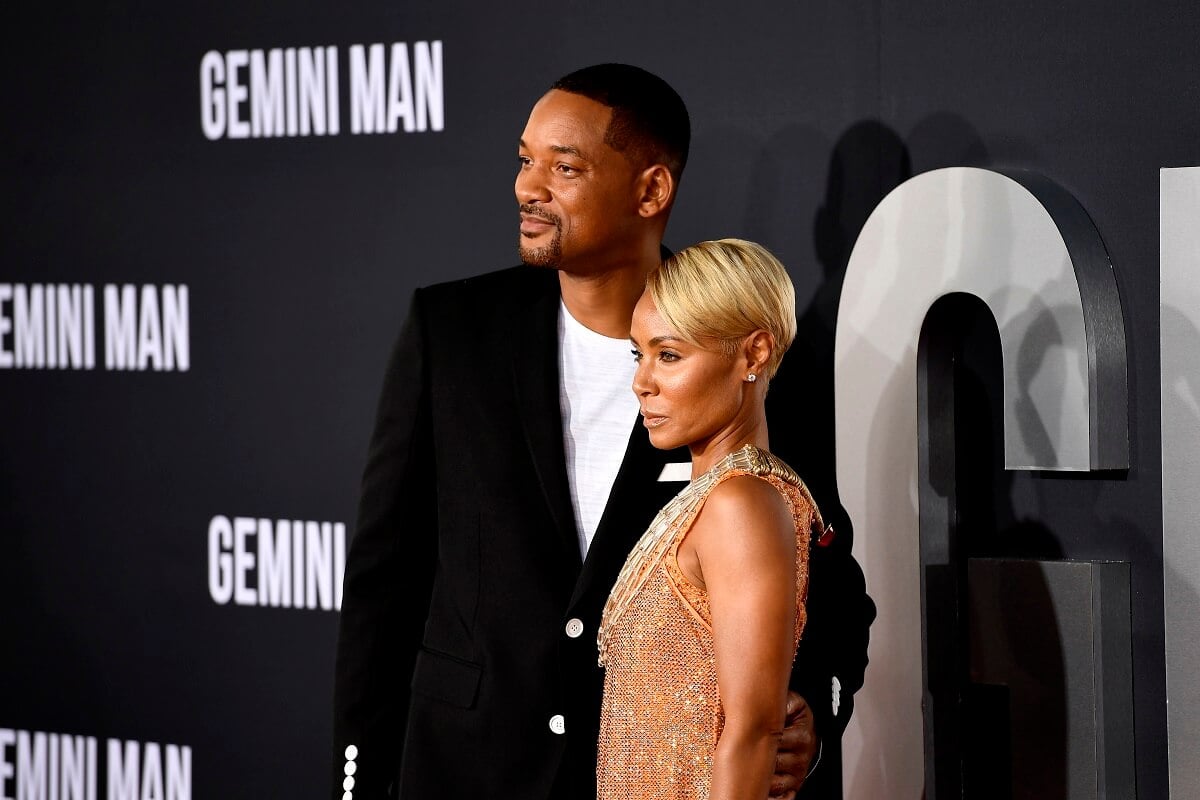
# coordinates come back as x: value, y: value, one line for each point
x: 546, y: 257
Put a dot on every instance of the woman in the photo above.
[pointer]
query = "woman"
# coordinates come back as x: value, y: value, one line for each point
x: 700, y: 630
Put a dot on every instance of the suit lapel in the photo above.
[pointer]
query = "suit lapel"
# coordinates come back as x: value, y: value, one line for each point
x: 534, y: 352
x: 636, y: 496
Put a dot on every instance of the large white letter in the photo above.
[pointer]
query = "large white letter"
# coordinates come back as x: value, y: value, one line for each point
x: 339, y: 562
x: 6, y: 326
x: 275, y: 563
x: 31, y: 766
x: 243, y: 561
x: 995, y: 237
x: 331, y: 90
x: 319, y: 563
x: 70, y: 326
x: 152, y: 772
x: 29, y: 335
x: 312, y: 91
x: 367, y: 90
x: 400, y: 93
x: 122, y: 771
x: 176, y: 341
x: 428, y: 79
x: 74, y: 767
x: 289, y: 70
x: 1179, y: 315
x: 179, y: 772
x: 120, y: 327
x: 8, y: 738
x: 212, y: 96
x: 220, y: 562
x: 236, y: 93
x: 150, y: 345
x: 266, y: 93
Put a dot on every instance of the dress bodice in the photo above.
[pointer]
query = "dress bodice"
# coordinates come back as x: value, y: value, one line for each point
x: 661, y: 715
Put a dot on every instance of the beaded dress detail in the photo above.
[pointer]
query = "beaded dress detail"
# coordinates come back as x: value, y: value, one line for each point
x: 662, y: 715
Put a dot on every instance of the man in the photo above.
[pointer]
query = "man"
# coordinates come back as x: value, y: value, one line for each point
x: 508, y: 479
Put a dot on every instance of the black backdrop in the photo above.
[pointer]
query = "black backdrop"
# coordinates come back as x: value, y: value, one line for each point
x: 299, y: 254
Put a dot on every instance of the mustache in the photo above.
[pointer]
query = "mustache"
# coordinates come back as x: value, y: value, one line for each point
x: 541, y: 213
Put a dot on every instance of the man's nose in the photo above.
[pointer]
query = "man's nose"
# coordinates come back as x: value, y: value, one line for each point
x: 530, y: 186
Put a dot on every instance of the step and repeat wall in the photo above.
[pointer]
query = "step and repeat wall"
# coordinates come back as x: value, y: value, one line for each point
x: 215, y: 214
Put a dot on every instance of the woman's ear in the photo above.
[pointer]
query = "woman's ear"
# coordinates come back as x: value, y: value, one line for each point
x: 757, y: 350
x: 656, y: 190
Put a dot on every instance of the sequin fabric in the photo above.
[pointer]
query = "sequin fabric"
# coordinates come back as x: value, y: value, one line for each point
x: 662, y: 715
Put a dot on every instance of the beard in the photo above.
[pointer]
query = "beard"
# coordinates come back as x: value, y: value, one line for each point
x: 548, y: 255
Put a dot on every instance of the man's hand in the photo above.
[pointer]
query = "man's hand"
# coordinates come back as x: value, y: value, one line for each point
x: 797, y: 749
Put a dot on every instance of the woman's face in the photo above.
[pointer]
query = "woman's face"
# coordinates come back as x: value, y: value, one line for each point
x: 689, y: 395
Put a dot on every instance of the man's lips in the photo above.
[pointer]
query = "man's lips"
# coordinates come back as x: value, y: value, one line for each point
x: 533, y: 224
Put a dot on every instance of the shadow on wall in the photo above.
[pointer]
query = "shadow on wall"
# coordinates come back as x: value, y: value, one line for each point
x: 867, y: 161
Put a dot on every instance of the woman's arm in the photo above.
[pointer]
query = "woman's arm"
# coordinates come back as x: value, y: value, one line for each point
x: 743, y: 547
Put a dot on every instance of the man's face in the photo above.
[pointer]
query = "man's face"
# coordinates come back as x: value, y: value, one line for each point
x: 578, y: 196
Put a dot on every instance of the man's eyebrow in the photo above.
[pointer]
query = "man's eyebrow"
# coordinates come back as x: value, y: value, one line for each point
x: 569, y: 150
x: 565, y: 149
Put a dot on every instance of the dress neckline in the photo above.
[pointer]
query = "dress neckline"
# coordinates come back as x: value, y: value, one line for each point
x: 752, y: 459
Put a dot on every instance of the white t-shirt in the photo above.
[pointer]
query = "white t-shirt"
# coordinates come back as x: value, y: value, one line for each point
x: 599, y: 408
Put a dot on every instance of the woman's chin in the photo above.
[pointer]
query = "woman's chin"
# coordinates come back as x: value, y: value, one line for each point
x: 663, y: 440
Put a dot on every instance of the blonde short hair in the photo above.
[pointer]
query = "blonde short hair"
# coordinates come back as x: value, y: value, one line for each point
x: 723, y: 291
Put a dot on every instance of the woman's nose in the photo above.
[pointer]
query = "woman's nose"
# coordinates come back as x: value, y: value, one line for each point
x: 642, y: 380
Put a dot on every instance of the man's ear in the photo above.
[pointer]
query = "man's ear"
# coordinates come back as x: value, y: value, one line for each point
x: 656, y: 190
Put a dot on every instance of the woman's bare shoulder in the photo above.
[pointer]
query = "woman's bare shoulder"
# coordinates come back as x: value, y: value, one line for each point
x: 742, y: 509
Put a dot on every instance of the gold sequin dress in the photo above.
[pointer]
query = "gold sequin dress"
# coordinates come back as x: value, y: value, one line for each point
x: 661, y: 715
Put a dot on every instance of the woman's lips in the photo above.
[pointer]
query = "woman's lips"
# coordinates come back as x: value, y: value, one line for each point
x: 652, y: 420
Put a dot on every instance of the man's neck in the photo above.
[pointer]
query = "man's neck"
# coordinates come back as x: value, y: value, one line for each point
x: 603, y: 302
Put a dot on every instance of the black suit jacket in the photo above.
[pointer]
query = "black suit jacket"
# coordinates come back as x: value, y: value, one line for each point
x: 453, y: 651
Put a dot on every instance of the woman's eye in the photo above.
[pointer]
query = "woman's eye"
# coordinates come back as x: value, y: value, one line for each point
x: 667, y: 355
x: 637, y: 355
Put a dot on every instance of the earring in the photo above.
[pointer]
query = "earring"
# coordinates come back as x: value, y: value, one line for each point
x: 751, y: 378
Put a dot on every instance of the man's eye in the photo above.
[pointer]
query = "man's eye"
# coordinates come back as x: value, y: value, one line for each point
x: 525, y: 160
x: 567, y: 169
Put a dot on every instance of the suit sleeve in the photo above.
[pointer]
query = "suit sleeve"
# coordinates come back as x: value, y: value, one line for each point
x: 832, y: 658
x: 389, y: 574
x: 840, y: 613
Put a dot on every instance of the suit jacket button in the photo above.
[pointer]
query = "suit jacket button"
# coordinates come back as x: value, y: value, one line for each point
x: 558, y: 724
x: 574, y: 627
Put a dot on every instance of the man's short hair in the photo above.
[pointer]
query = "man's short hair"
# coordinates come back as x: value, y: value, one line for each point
x: 649, y: 123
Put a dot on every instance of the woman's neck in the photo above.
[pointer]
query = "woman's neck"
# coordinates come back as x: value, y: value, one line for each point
x: 753, y: 431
